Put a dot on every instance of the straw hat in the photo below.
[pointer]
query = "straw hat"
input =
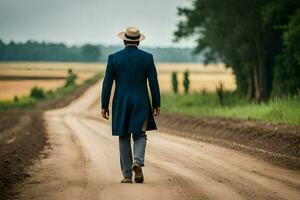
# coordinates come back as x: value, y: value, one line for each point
x: 131, y: 34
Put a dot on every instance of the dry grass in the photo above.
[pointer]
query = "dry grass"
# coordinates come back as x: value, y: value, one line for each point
x: 11, y: 88
x: 202, y: 77
x: 53, y: 66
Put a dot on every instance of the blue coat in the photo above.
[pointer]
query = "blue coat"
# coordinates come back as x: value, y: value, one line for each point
x: 130, y: 68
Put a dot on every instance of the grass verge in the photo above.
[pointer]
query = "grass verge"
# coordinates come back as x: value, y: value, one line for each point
x: 284, y: 110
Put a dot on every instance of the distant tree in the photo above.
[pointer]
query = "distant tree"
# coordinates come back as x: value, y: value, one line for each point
x: 165, y: 54
x: 186, y: 81
x: 42, y: 51
x: 174, y: 82
x: 2, y: 49
x: 71, y: 79
x: 35, y: 51
x: 90, y: 52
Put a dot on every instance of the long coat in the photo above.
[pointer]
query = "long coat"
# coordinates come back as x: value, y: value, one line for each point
x: 130, y: 68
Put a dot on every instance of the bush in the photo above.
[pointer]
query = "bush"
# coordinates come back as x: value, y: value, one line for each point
x: 16, y: 98
x: 71, y: 79
x: 37, y: 93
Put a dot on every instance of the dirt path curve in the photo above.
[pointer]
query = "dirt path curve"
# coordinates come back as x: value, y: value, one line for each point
x: 83, y: 163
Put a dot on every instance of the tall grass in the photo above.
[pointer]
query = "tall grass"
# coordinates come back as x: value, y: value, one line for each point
x: 284, y: 110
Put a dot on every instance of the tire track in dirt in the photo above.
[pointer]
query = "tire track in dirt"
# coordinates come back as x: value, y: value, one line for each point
x: 84, y: 164
x: 181, y: 157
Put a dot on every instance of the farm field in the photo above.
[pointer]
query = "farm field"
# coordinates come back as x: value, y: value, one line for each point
x: 17, y: 78
x: 10, y: 89
x: 201, y: 77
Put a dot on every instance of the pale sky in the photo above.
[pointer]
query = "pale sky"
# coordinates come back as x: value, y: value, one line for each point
x: 90, y: 21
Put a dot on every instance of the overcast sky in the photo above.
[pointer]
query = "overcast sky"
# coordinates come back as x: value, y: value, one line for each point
x: 90, y: 21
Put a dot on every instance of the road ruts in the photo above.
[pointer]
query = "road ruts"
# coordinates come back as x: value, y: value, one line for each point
x: 83, y: 163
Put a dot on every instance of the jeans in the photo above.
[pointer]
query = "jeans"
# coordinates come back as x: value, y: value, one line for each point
x: 139, y: 147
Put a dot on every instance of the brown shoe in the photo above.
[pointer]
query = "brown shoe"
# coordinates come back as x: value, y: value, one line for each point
x: 139, y: 177
x: 126, y: 180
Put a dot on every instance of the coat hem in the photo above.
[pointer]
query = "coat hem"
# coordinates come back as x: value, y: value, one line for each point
x: 121, y: 133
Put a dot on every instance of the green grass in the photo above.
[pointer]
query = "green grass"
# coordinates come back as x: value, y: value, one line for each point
x: 22, y: 102
x: 29, y: 101
x: 285, y: 110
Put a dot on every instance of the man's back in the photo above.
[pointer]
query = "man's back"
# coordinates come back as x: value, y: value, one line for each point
x: 132, y: 112
x: 131, y: 66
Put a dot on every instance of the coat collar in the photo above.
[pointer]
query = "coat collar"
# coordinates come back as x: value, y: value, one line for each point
x: 131, y: 46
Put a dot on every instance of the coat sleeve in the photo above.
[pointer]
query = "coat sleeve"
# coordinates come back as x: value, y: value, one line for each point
x: 107, y: 84
x: 153, y: 83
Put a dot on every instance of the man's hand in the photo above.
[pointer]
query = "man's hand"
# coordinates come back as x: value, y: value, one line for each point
x: 105, y: 113
x: 156, y: 111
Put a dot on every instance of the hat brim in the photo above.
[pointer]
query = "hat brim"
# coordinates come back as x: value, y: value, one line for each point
x: 122, y: 36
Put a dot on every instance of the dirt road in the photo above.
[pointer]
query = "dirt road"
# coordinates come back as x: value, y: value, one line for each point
x: 83, y: 163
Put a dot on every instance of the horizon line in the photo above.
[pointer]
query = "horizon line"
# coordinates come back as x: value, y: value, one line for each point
x: 5, y: 41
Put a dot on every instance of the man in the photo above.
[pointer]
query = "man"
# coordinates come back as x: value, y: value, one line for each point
x: 132, y: 113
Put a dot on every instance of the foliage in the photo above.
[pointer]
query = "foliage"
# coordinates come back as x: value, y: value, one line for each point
x: 292, y: 36
x: 245, y: 35
x: 37, y: 93
x: 286, y: 76
x: 161, y: 54
x: 90, y: 52
x: 186, y: 81
x: 278, y: 110
x: 287, y: 69
x: 35, y: 51
x: 16, y: 98
x: 174, y: 82
x: 22, y: 102
x: 71, y: 79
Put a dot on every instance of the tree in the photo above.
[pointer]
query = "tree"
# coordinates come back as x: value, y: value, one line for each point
x: 242, y: 35
x: 90, y: 52
x: 35, y: 51
x: 174, y: 82
x: 71, y: 79
x: 186, y: 81
x: 287, y: 70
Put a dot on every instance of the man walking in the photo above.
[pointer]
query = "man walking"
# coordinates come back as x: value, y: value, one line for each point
x: 132, y: 112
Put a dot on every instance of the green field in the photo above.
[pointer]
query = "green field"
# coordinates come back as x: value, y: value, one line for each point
x: 285, y: 110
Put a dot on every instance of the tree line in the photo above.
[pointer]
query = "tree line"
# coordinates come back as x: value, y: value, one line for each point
x: 41, y: 51
x: 161, y: 54
x: 258, y: 39
x: 35, y: 51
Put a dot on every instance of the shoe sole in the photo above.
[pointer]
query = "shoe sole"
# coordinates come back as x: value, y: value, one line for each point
x: 126, y: 181
x: 139, y: 178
